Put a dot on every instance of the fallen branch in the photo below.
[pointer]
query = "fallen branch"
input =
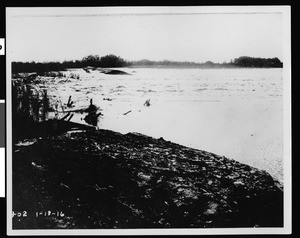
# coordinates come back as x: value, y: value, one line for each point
x: 63, y: 118
x: 70, y: 102
x: 126, y: 112
x: 78, y: 110
x: 70, y: 117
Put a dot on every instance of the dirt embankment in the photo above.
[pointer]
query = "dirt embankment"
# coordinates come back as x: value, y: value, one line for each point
x: 103, y: 179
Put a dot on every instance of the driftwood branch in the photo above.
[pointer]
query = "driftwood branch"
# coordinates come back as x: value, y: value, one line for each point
x: 70, y: 117
x: 126, y: 112
x: 63, y: 118
x: 70, y: 102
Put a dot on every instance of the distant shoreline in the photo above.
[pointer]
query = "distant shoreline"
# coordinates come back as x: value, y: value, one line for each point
x: 112, y: 61
x: 187, y: 67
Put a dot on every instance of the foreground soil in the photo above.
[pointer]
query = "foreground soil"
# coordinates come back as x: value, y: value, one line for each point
x: 103, y: 179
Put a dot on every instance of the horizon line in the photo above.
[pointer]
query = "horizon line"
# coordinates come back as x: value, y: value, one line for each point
x: 144, y: 59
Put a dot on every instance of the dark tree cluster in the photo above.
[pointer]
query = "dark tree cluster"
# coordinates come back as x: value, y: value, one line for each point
x: 246, y: 61
x: 105, y: 61
x: 91, y: 60
x: 40, y: 68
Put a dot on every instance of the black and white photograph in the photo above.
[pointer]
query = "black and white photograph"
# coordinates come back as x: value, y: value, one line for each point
x: 148, y: 120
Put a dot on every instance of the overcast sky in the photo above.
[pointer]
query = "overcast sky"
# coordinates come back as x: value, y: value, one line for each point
x: 56, y: 36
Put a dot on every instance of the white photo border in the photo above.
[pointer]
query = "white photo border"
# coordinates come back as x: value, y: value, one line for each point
x: 77, y: 11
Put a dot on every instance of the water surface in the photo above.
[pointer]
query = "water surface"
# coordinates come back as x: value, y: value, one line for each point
x: 237, y: 113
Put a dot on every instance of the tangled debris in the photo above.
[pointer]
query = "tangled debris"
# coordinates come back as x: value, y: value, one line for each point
x: 104, y: 179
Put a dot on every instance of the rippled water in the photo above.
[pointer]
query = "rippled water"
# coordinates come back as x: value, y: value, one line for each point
x: 232, y: 112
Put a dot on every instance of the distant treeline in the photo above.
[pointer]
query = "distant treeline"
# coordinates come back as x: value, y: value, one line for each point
x: 243, y: 61
x: 112, y: 61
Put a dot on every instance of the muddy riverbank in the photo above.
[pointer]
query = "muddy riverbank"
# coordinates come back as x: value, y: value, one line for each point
x: 104, y: 179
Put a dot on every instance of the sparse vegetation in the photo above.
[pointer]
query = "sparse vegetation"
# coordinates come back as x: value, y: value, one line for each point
x: 29, y: 107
